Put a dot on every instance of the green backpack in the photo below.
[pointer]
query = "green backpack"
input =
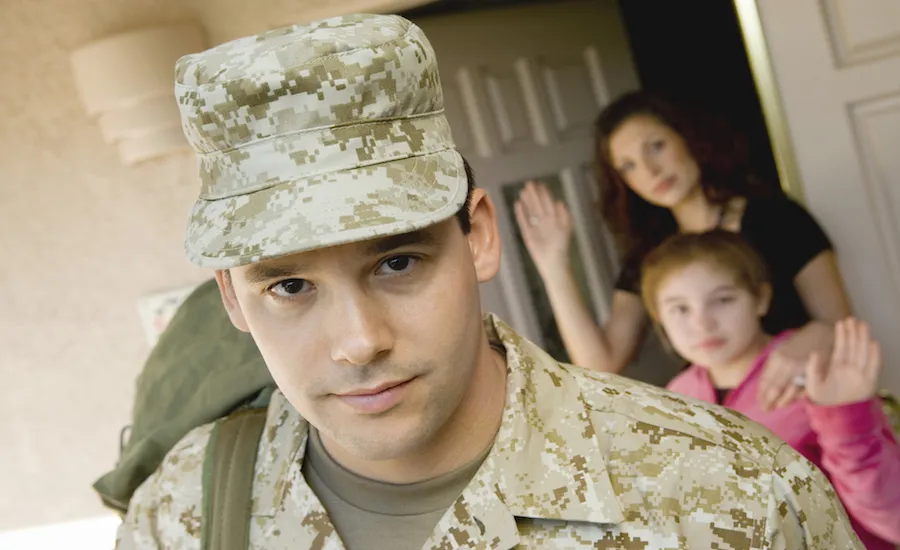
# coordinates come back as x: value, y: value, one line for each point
x: 201, y: 370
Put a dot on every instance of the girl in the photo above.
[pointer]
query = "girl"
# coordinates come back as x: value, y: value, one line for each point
x: 709, y: 292
x: 662, y: 171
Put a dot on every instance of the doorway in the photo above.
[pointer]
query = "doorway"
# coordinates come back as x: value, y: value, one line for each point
x: 692, y: 52
x: 523, y: 82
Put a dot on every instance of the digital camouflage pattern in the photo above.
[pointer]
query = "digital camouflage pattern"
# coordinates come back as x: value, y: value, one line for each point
x: 582, y: 460
x: 316, y: 135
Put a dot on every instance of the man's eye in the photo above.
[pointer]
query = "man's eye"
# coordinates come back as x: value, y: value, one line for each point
x: 289, y: 287
x: 397, y: 264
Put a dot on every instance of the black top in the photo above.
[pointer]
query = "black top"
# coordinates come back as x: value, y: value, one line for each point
x: 787, y: 237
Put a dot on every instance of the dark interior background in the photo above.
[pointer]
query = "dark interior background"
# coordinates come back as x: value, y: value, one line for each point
x: 692, y: 52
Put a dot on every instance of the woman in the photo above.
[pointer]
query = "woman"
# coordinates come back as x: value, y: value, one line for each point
x: 663, y: 171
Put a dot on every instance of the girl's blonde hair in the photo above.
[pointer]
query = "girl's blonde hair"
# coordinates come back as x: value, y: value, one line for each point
x: 722, y: 249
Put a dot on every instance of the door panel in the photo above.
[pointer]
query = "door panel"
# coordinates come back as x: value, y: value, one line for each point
x: 837, y: 67
x: 540, y: 303
x: 524, y: 86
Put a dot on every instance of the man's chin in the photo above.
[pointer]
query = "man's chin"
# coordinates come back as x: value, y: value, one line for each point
x: 377, y: 446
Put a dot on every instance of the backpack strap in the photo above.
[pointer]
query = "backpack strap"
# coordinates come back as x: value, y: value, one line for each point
x: 228, y: 480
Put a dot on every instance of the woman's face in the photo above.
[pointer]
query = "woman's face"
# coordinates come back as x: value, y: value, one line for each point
x: 654, y: 161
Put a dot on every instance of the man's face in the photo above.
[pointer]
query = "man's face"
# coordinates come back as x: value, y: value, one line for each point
x: 374, y: 343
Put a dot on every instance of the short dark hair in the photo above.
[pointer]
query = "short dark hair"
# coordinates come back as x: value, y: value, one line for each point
x: 463, y: 214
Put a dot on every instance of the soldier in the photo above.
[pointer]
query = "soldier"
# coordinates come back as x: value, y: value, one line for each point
x: 349, y: 239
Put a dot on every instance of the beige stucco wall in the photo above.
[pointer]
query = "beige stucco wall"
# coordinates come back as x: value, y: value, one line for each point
x: 81, y: 239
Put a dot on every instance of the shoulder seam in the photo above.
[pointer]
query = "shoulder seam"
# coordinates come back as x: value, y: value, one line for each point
x: 760, y: 461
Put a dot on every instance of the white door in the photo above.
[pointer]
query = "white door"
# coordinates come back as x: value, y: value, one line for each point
x: 837, y: 66
x: 523, y: 86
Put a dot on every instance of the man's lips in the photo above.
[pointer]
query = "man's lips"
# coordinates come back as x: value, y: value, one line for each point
x: 377, y: 399
x: 372, y: 391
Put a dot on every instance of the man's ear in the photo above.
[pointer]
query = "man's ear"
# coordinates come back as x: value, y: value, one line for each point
x: 230, y: 301
x: 484, y: 235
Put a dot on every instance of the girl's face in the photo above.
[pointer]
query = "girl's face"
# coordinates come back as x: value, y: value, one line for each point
x: 654, y: 161
x: 709, y: 319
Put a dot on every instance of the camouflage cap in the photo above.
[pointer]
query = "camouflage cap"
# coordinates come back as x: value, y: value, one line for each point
x: 316, y: 135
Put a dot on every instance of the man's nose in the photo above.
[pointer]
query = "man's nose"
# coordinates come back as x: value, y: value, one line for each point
x: 358, y: 331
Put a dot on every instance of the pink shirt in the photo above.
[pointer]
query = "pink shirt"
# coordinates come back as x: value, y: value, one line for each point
x: 852, y: 444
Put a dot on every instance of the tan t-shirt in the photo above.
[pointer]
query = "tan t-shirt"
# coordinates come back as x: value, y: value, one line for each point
x: 371, y: 515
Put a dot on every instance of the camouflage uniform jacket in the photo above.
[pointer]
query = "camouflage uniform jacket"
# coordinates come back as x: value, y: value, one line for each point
x: 582, y: 460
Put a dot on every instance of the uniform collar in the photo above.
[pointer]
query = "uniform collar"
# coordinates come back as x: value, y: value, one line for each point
x: 547, y: 462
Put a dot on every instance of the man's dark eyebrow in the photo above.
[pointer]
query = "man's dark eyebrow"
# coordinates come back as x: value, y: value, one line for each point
x: 260, y: 273
x: 422, y: 237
